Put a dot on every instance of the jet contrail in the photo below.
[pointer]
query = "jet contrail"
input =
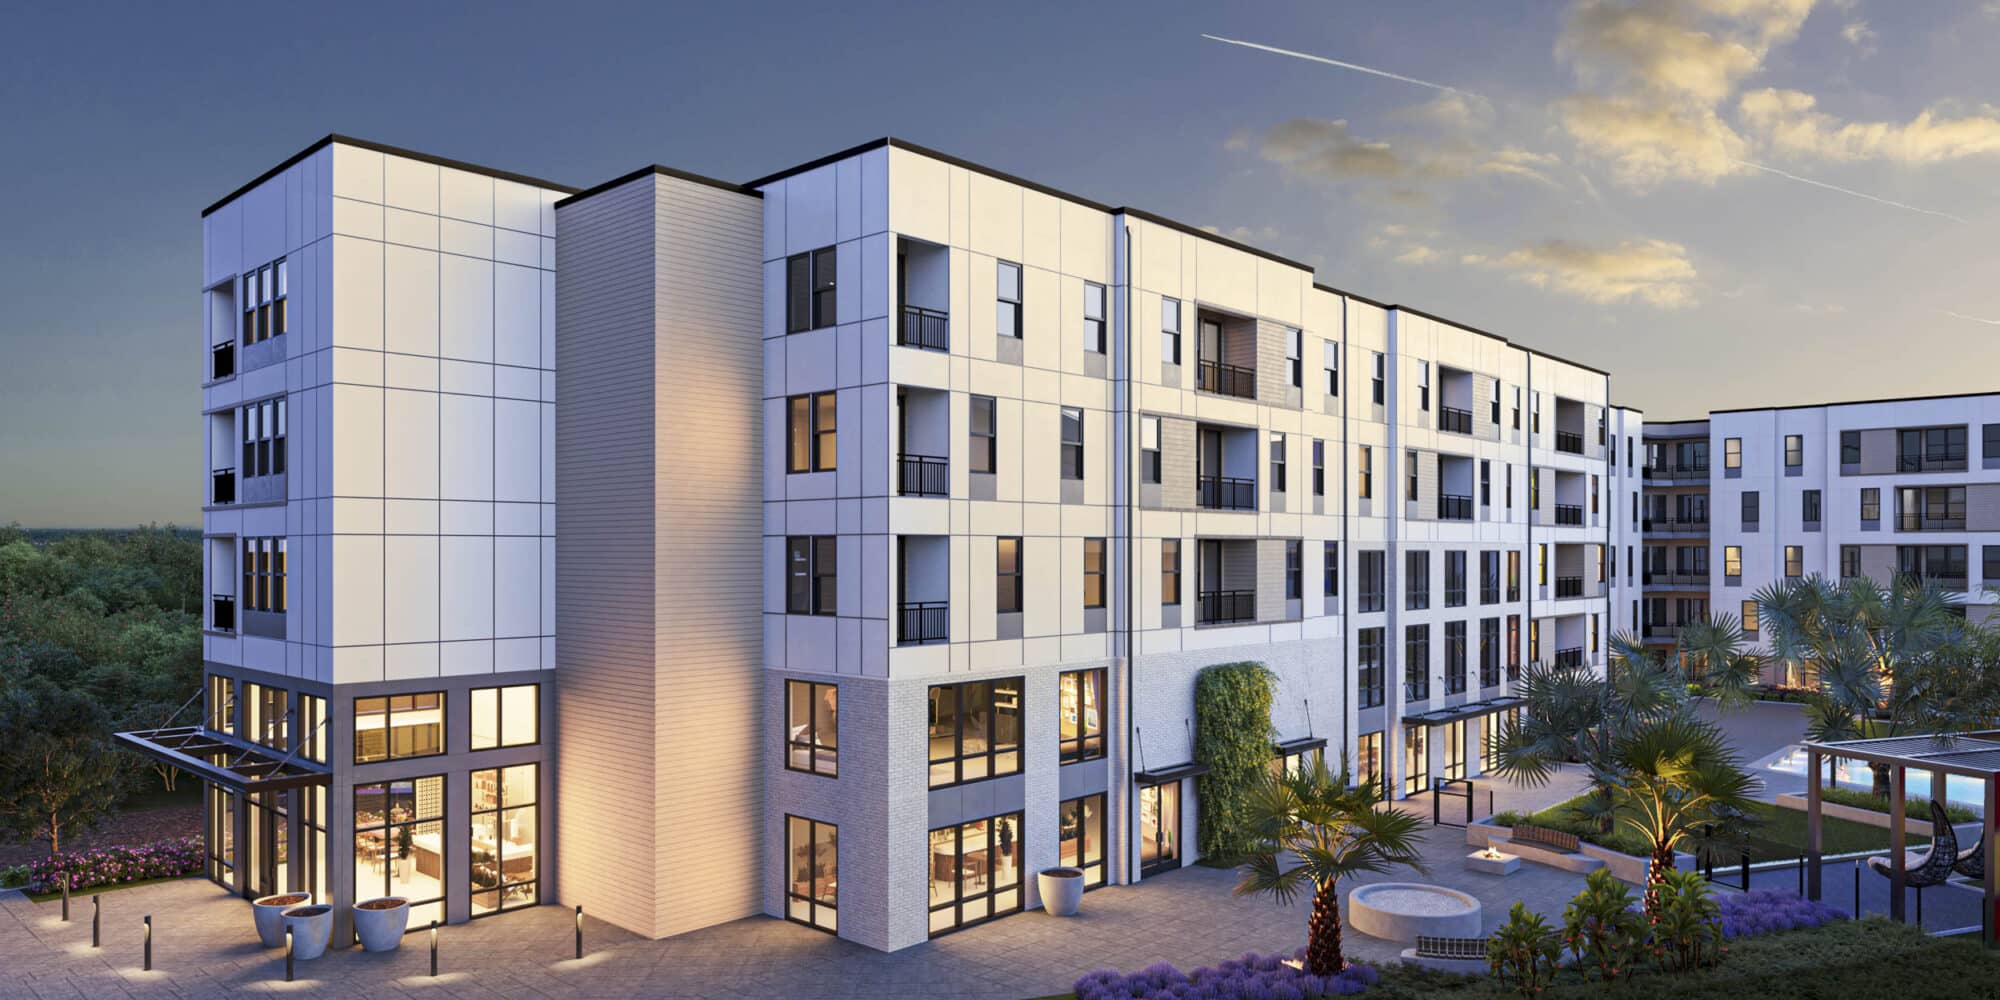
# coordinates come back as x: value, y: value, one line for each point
x: 1343, y: 65
x: 1858, y: 194
x: 1975, y: 319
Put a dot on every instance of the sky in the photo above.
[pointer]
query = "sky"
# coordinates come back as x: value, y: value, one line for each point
x: 1723, y: 202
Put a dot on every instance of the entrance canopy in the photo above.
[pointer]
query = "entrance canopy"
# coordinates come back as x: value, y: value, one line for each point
x: 1469, y: 710
x: 222, y: 758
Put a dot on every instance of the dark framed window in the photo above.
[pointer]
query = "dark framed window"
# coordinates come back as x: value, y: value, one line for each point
x: 398, y: 726
x: 810, y: 441
x: 265, y: 312
x: 1080, y: 836
x: 1732, y: 560
x: 1372, y: 567
x: 1850, y: 447
x: 1364, y: 472
x: 812, y: 575
x: 1149, y: 449
x: 263, y: 426
x: 1750, y: 510
x: 1930, y: 448
x: 810, y: 295
x: 1170, y: 331
x: 1517, y: 408
x: 1170, y: 572
x: 812, y: 727
x: 1454, y: 578
x: 270, y: 720
x: 983, y: 437
x: 1319, y: 467
x: 1732, y: 453
x: 1493, y: 401
x: 1489, y: 577
x: 1809, y: 506
x: 1368, y: 649
x: 1513, y: 647
x: 1093, y: 317
x: 1423, y: 385
x: 1375, y: 381
x: 1331, y: 363
x: 1795, y: 450
x: 1489, y: 652
x: 1007, y: 296
x: 1417, y: 662
x: 1093, y: 573
x: 1750, y: 623
x: 1454, y: 657
x: 1007, y: 575
x: 1871, y: 503
x: 1410, y: 483
x: 1072, y: 442
x: 975, y: 872
x: 1082, y: 715
x: 1295, y: 355
x: 505, y: 824
x: 1277, y: 462
x: 1330, y: 570
x: 1485, y: 482
x: 508, y: 716
x: 315, y: 731
x: 1416, y: 580
x: 975, y: 731
x: 812, y: 873
x: 1850, y: 561
x: 1989, y: 441
x: 1989, y: 565
x: 1294, y: 569
x: 264, y: 569
x: 399, y: 844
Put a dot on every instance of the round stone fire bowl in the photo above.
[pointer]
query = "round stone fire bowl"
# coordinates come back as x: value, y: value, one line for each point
x: 1399, y: 911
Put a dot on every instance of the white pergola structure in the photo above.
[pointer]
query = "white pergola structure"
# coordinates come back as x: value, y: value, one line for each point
x: 1968, y: 755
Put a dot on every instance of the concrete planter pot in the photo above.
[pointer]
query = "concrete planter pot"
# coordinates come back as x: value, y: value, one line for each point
x: 380, y: 923
x: 269, y: 913
x: 1062, y: 890
x: 311, y: 926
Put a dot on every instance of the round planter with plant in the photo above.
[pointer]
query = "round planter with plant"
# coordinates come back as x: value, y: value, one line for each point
x: 269, y: 913
x: 380, y: 923
x: 1062, y: 890
x: 311, y: 927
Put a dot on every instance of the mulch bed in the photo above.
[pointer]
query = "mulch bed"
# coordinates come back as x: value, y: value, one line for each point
x: 142, y: 826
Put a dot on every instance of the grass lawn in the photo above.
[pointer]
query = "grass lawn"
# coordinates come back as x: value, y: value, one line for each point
x: 1782, y: 834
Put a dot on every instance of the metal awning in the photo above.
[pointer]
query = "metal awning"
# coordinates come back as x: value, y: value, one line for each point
x: 1469, y: 710
x: 224, y: 759
x: 1161, y: 776
x: 1301, y: 745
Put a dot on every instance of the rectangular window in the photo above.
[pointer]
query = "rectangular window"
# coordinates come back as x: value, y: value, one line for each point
x: 1319, y: 468
x: 812, y: 575
x: 1507, y: 482
x: 1170, y: 331
x: 1149, y: 449
x: 394, y: 727
x: 504, y: 828
x: 1093, y: 317
x: 1371, y: 567
x: 1007, y: 575
x: 1410, y: 487
x: 1732, y: 560
x: 1277, y: 462
x: 1795, y: 450
x: 1082, y: 715
x: 1072, y: 442
x: 1485, y: 482
x: 1989, y: 441
x: 812, y: 873
x: 1535, y: 414
x: 1417, y: 580
x: 1417, y: 662
x: 975, y: 731
x: 1809, y: 506
x: 1364, y: 471
x: 809, y: 290
x: 1295, y: 570
x: 1454, y: 578
x: 1368, y: 665
x: 1750, y: 617
x: 506, y: 716
x: 1930, y: 449
x: 1170, y: 572
x: 1513, y: 575
x: 1330, y: 569
x: 264, y: 571
x: 1850, y: 447
x: 1423, y: 385
x: 1093, y: 573
x: 1732, y: 453
x: 1517, y: 407
x: 983, y: 436
x: 1489, y: 578
x: 1871, y: 503
x: 1513, y: 647
x: 1007, y: 292
x: 812, y: 728
x: 1332, y: 364
x: 1295, y: 355
x: 1080, y: 836
x: 810, y: 433
x: 1493, y: 400
x: 1541, y: 564
x: 1750, y: 511
x: 975, y: 872
x: 1375, y: 382
x: 1534, y: 641
x: 1454, y: 657
x: 1594, y: 491
x: 399, y: 843
x: 270, y: 715
x: 1850, y: 561
x: 263, y: 438
x: 1489, y: 652
x: 1989, y: 565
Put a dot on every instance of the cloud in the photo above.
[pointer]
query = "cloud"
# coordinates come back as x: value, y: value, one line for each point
x: 1419, y: 254
x: 1790, y: 122
x: 1454, y: 110
x: 1327, y: 149
x: 1646, y: 143
x: 1654, y: 272
x: 1861, y: 36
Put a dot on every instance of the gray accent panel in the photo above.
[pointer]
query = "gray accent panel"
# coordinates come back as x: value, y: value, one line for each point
x: 262, y: 354
x: 1149, y: 494
x: 978, y: 800
x: 1276, y: 502
x: 1007, y: 350
x: 1093, y: 364
x: 1007, y: 625
x: 1170, y: 375
x: 261, y: 489
x: 1177, y: 463
x: 1270, y: 579
x: 1982, y: 507
x: 1083, y: 778
x: 1072, y: 491
x: 264, y: 624
x: 981, y: 486
x: 1170, y: 614
x: 1093, y: 620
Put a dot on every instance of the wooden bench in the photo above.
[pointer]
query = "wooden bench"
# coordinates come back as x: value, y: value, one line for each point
x: 1525, y: 833
x: 1451, y: 948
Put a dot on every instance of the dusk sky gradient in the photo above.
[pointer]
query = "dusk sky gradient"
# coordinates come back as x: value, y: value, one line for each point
x: 1605, y: 182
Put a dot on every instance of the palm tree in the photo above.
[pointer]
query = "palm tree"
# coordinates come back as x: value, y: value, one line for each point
x: 1670, y: 775
x: 1333, y: 832
x: 1573, y: 716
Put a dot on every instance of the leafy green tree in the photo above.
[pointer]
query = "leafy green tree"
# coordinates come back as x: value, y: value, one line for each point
x: 58, y: 777
x: 1333, y: 832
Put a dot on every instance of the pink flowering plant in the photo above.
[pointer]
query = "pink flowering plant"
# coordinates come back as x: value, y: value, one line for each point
x: 169, y: 858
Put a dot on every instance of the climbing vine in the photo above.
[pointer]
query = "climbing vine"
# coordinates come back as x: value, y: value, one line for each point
x: 1232, y: 736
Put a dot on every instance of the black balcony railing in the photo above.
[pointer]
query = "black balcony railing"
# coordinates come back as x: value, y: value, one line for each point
x: 925, y: 328
x: 1227, y: 380
x: 1454, y: 508
x: 1571, y: 657
x: 1569, y: 441
x: 1569, y: 586
x: 1918, y: 522
x: 1930, y: 576
x: 222, y: 612
x: 1225, y: 493
x: 1675, y: 472
x: 1681, y: 578
x: 922, y: 621
x: 1455, y: 420
x: 1219, y: 607
x: 222, y: 360
x: 1569, y: 513
x: 222, y: 487
x: 1669, y: 526
x: 1661, y: 631
x: 1929, y: 463
x: 923, y: 476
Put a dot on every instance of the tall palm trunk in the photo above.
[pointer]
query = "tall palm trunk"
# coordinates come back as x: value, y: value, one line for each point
x: 1881, y: 788
x: 1656, y: 875
x: 1323, y: 956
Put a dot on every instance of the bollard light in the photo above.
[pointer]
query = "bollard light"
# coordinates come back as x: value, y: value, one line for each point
x: 66, y: 878
x: 96, y: 913
x: 579, y: 931
x: 149, y: 943
x: 288, y: 954
x: 434, y: 949
x: 1857, y: 888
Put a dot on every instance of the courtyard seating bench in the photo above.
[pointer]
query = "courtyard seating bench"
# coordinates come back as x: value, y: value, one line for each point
x: 1525, y: 833
x: 1458, y: 949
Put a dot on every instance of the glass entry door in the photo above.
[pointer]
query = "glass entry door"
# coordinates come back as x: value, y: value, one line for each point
x: 1159, y: 828
x: 270, y: 851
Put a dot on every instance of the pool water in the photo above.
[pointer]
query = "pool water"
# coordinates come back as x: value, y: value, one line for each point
x: 1916, y: 782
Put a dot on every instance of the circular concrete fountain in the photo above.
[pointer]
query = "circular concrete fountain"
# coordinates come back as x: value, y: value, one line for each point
x: 1399, y: 911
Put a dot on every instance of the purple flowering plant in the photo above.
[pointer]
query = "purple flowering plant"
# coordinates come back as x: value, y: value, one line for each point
x: 1252, y: 977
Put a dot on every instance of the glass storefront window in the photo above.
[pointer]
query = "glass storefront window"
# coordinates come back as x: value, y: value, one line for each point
x: 399, y: 844
x: 975, y: 731
x: 1081, y: 831
x: 975, y: 872
x: 1159, y: 828
x: 506, y: 716
x: 1368, y: 762
x: 1416, y: 760
x: 812, y: 728
x: 504, y: 831
x: 1082, y: 715
x: 221, y: 835
x: 812, y: 869
x: 398, y: 726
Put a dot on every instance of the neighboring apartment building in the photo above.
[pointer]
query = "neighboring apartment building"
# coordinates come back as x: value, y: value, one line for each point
x: 899, y: 503
x: 1875, y: 488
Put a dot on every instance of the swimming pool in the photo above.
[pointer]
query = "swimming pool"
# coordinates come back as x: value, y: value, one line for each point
x: 1916, y: 781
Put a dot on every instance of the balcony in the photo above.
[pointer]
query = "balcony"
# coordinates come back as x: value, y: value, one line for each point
x: 1226, y: 380
x: 922, y: 622
x: 1684, y: 578
x: 1929, y: 463
x: 1669, y: 526
x: 1676, y: 473
x: 222, y: 487
x: 1225, y: 607
x: 923, y: 476
x: 1454, y: 508
x: 1955, y: 583
x: 927, y: 329
x: 1662, y: 631
x: 1569, y: 441
x: 222, y: 360
x: 1568, y: 513
x: 1571, y: 657
x: 1226, y: 493
x: 222, y: 612
x: 1454, y: 420
x: 1569, y: 586
x: 1919, y: 522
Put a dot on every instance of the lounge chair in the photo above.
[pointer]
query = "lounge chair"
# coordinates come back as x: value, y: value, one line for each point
x: 1926, y: 868
x: 1972, y: 863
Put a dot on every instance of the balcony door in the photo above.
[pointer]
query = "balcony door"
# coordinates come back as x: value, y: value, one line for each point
x: 1208, y: 341
x: 1159, y: 828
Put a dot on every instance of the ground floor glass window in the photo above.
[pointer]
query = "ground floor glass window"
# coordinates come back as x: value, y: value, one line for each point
x: 221, y: 836
x: 1081, y: 832
x: 1368, y: 762
x: 812, y: 872
x: 399, y: 844
x: 1454, y: 749
x: 1159, y: 827
x: 975, y: 872
x: 1416, y: 760
x: 504, y: 829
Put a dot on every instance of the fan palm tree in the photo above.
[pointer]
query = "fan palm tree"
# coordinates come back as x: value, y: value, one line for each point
x: 1333, y: 832
x: 1670, y: 775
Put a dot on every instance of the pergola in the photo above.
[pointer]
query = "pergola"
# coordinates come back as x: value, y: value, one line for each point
x: 1967, y: 755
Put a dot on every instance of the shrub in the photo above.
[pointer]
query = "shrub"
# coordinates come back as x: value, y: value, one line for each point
x: 1251, y: 977
x: 1687, y: 923
x: 1232, y: 736
x: 1601, y: 928
x: 117, y: 865
x: 1524, y: 951
x: 1762, y: 911
x: 1913, y: 807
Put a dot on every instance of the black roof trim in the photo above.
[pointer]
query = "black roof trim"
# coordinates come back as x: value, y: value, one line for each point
x: 1300, y: 745
x: 1469, y: 710
x: 1162, y: 775
x: 1357, y: 296
x: 408, y: 154
x: 1859, y: 402
x: 663, y: 171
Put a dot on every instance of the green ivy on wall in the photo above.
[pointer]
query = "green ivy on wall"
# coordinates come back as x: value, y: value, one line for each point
x: 1232, y: 736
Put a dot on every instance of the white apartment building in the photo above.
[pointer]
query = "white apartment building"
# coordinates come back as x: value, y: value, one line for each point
x: 888, y: 510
